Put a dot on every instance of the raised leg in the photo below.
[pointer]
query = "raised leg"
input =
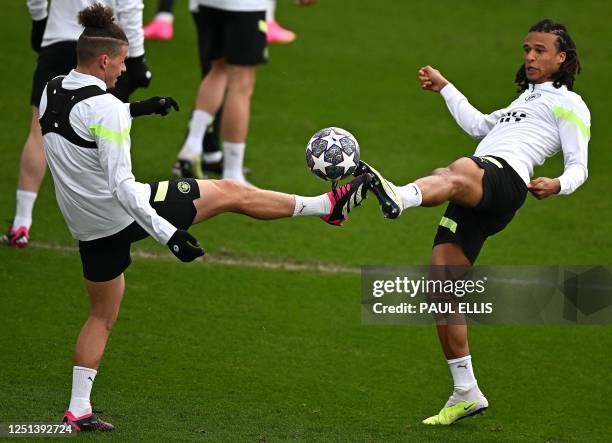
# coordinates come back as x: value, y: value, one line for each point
x: 226, y: 195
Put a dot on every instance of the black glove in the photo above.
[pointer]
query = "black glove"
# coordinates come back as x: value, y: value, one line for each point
x: 36, y: 37
x: 138, y: 73
x: 154, y: 105
x: 185, y: 246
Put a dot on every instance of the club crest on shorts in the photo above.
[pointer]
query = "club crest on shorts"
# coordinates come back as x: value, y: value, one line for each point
x: 184, y: 187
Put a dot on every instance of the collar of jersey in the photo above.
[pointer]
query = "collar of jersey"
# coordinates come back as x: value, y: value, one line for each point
x: 546, y: 86
x: 77, y: 79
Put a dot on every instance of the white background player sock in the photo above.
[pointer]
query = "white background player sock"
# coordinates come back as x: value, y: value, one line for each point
x: 462, y: 372
x: 82, y: 382
x: 197, y: 126
x: 165, y: 16
x: 25, y: 205
x: 270, y: 11
x: 233, y: 156
x: 320, y: 205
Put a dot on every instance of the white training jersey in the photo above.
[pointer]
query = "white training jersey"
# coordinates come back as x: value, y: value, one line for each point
x: 233, y: 5
x: 95, y: 188
x: 542, y: 121
x: 63, y: 23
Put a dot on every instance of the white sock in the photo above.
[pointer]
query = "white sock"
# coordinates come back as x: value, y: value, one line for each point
x: 192, y: 147
x: 25, y: 205
x: 82, y: 382
x: 410, y: 194
x: 320, y: 205
x: 462, y: 372
x: 212, y: 157
x: 270, y: 12
x: 165, y: 16
x: 233, y: 156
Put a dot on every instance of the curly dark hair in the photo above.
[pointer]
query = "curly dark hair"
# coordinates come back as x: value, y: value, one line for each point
x: 101, y: 34
x: 569, y: 68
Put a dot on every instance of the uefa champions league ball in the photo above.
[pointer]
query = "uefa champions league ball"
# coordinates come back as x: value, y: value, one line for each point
x: 332, y: 154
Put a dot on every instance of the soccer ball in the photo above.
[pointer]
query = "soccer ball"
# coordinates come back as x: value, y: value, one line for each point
x: 332, y: 154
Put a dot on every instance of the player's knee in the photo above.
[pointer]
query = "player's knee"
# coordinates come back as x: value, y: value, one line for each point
x: 106, y: 320
x: 453, y: 177
x: 241, y: 81
x: 459, y: 184
x: 462, y: 165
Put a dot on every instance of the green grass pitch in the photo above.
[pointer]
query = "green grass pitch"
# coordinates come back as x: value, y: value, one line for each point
x: 219, y: 352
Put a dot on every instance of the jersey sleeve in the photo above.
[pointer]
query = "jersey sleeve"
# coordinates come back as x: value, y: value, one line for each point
x: 111, y: 130
x: 574, y: 123
x: 470, y: 119
x: 129, y: 16
x: 38, y: 9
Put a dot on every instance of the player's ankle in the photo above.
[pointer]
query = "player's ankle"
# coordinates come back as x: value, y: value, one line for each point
x: 411, y: 194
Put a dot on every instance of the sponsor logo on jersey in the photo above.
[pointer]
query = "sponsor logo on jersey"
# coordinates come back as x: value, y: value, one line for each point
x: 515, y: 116
x: 183, y: 187
x: 532, y: 96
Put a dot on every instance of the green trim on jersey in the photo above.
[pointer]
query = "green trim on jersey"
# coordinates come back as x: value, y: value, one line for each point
x: 109, y: 134
x: 572, y: 117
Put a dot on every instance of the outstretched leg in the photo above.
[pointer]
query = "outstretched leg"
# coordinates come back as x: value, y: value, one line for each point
x: 460, y: 183
x: 217, y: 196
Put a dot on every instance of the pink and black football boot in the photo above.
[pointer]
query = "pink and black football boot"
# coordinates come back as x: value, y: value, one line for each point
x: 17, y: 238
x: 160, y: 29
x: 86, y: 423
x: 346, y: 197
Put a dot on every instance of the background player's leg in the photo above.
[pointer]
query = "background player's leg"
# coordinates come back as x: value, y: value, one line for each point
x: 32, y: 168
x: 212, y: 88
x: 161, y: 27
x: 276, y: 33
x: 33, y: 165
x: 235, y: 120
x: 211, y: 143
x: 208, y: 101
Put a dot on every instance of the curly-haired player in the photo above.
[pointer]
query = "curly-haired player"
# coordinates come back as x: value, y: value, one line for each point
x: 485, y: 190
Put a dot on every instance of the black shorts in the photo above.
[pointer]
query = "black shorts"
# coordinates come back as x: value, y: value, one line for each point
x: 238, y: 36
x: 504, y: 192
x: 53, y: 60
x: 105, y: 258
